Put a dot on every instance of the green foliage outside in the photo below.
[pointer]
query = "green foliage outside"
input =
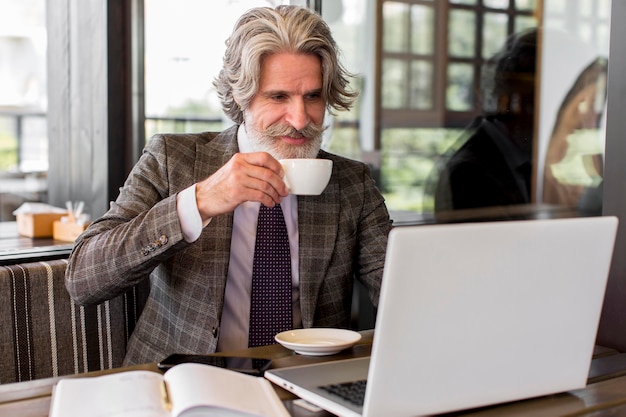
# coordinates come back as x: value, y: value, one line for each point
x: 408, y: 158
x: 8, y: 151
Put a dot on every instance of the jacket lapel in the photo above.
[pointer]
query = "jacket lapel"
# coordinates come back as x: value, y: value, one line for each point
x: 216, y: 237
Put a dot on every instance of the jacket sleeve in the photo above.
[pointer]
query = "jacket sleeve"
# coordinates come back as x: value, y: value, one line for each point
x: 140, y: 230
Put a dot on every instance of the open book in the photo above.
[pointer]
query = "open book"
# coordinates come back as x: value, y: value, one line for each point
x: 186, y: 390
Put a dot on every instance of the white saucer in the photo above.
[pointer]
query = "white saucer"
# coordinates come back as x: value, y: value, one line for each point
x: 318, y: 341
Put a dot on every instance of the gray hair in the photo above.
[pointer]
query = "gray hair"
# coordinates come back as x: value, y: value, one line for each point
x: 263, y: 31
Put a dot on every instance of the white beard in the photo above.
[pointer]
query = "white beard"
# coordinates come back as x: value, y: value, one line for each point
x: 264, y: 142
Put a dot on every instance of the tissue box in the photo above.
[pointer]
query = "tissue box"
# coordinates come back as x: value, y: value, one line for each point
x: 37, y: 224
x: 67, y: 232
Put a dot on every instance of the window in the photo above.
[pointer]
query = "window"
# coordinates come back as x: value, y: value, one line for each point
x: 438, y: 63
x: 193, y: 57
x: 190, y: 51
x: 23, y: 102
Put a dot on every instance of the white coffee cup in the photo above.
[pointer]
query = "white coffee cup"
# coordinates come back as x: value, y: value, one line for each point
x: 307, y: 176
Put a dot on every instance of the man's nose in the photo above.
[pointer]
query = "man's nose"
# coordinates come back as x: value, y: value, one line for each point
x: 297, y: 115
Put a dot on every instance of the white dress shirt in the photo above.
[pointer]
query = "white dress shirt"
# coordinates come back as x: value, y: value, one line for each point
x: 236, y: 313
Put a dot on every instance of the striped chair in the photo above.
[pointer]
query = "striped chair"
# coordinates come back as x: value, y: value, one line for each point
x: 44, y: 334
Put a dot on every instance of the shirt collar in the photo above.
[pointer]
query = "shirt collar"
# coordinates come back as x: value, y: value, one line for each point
x: 243, y: 141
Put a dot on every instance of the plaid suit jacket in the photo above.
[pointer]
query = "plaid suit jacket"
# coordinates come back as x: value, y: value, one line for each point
x: 342, y: 235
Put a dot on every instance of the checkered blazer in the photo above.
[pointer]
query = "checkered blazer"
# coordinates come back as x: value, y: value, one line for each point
x: 342, y: 234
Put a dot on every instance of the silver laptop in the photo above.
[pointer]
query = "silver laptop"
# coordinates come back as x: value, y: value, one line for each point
x: 475, y: 314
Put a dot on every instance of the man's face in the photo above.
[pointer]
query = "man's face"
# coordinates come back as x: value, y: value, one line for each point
x: 285, y: 117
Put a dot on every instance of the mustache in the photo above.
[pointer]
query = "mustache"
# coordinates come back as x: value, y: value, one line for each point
x: 310, y: 131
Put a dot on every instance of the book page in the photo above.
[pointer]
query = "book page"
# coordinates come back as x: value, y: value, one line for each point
x: 204, y: 390
x: 126, y: 394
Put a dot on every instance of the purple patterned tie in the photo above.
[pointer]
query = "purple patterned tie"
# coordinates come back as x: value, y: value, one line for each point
x: 270, y: 303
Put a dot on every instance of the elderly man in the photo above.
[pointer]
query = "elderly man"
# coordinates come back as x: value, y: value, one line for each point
x: 186, y: 216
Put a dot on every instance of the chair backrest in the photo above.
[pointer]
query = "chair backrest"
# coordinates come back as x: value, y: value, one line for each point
x: 45, y: 334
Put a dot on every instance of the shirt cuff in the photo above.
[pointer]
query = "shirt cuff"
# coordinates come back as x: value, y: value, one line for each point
x: 188, y: 214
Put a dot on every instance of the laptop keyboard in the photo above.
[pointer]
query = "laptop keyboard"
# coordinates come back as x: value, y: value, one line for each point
x: 353, y: 391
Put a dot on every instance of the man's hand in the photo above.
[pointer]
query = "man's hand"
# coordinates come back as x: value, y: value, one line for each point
x: 246, y: 177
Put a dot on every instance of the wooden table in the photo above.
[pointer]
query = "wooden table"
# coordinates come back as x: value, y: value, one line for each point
x: 606, y: 397
x: 15, y: 248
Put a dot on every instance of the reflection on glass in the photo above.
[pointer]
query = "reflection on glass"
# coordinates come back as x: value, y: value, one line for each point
x: 586, y: 32
x: 490, y: 163
x: 556, y: 6
x: 574, y: 34
x: 461, y: 39
x: 602, y: 37
x: 494, y: 32
x: 422, y: 29
x: 525, y: 22
x: 496, y: 4
x: 421, y: 96
x: 463, y: 1
x: 394, y: 78
x: 587, y: 9
x: 571, y: 122
x: 395, y: 27
x: 409, y: 155
x: 525, y: 4
x: 603, y: 9
x: 574, y: 159
x: 459, y: 95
